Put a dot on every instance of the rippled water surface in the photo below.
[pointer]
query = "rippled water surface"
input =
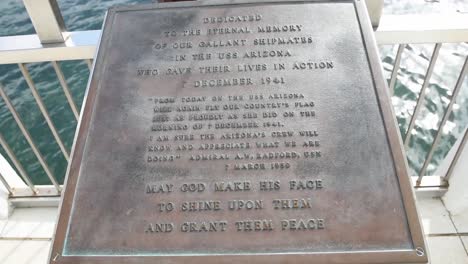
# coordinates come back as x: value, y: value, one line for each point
x: 88, y: 15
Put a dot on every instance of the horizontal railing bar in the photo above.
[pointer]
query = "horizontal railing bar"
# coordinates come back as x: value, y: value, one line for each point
x: 29, y: 139
x: 79, y: 45
x: 448, y: 111
x: 429, y: 181
x: 41, y: 191
x: 422, y: 93
x: 66, y: 90
x: 5, y: 183
x: 418, y: 29
x: 393, y: 29
x: 396, y: 67
x: 454, y: 161
x: 431, y: 192
x: 17, y: 164
x: 36, y: 201
x: 43, y: 109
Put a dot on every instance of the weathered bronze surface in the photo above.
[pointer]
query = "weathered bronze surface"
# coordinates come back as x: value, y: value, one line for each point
x: 258, y: 132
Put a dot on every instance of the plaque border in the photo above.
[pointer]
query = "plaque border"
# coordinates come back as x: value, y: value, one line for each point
x: 389, y: 121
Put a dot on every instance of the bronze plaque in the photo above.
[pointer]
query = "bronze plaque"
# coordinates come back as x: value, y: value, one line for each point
x: 226, y: 132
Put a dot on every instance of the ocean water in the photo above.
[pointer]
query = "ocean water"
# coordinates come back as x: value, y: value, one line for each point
x: 88, y: 15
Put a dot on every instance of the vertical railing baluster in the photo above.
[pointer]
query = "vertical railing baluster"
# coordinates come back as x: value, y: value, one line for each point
x: 65, y: 88
x: 457, y: 156
x: 396, y: 67
x: 16, y: 163
x: 448, y: 111
x: 29, y: 139
x: 43, y: 109
x: 420, y: 101
x: 5, y: 183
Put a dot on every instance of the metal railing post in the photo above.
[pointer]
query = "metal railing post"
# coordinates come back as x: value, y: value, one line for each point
x: 374, y: 7
x: 47, y: 20
x: 89, y: 62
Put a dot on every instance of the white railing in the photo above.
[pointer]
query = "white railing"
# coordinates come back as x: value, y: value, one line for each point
x: 53, y: 44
